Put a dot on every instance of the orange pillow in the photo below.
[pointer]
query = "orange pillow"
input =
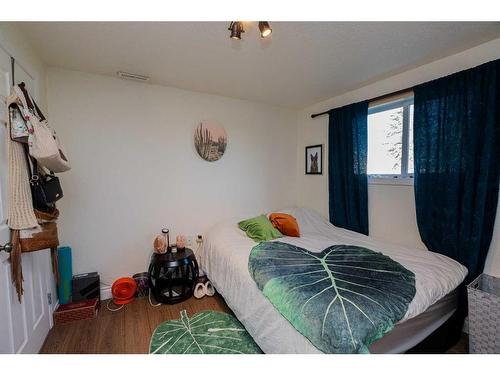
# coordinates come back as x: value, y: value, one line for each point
x: 285, y: 223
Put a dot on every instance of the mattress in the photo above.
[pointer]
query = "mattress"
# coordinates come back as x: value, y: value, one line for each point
x: 224, y: 258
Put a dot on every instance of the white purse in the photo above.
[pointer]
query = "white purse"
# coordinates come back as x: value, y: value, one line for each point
x: 44, y: 145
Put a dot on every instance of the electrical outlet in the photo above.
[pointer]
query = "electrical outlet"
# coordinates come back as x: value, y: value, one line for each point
x: 199, y: 238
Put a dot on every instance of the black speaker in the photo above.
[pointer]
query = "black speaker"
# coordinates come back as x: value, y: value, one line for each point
x: 86, y: 286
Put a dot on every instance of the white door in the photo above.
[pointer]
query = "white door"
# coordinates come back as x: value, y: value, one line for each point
x: 23, y: 326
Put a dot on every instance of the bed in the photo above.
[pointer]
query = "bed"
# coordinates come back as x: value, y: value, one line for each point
x: 224, y: 259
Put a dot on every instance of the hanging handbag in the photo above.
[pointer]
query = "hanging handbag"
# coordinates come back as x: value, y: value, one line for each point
x: 44, y: 145
x: 46, y: 188
x: 46, y: 191
x: 44, y: 237
x: 19, y: 129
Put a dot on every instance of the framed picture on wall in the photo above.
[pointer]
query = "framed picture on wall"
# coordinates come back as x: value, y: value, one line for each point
x: 314, y: 159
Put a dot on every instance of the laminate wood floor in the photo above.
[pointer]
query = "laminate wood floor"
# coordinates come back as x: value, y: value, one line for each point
x: 129, y: 330
x: 126, y: 331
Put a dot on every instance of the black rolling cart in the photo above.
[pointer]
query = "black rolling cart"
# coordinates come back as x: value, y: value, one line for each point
x: 172, y: 276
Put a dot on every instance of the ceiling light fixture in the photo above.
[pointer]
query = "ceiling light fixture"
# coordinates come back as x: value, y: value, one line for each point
x: 236, y: 28
x: 265, y: 29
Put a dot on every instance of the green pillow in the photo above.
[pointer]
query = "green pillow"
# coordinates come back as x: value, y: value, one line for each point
x: 259, y: 229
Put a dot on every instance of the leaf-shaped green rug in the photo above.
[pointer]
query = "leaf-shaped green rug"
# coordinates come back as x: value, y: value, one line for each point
x: 208, y: 332
x: 342, y: 299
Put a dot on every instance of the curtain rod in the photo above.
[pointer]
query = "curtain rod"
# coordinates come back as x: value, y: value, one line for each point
x: 381, y: 97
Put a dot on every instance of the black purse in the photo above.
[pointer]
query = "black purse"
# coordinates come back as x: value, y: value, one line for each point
x: 45, y: 188
x: 46, y: 191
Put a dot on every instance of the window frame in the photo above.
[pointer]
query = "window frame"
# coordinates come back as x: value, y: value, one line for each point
x: 404, y: 178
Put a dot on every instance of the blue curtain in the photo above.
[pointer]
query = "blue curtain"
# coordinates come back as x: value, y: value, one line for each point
x: 347, y: 154
x: 457, y: 159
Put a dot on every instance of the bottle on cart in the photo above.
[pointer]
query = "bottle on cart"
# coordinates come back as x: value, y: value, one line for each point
x: 166, y: 235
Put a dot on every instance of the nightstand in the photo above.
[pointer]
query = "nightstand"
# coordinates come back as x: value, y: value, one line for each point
x: 172, y: 276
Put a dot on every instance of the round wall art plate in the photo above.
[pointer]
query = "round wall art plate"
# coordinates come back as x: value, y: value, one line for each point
x: 210, y: 141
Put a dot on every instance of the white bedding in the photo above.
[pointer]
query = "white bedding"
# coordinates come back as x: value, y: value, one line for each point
x: 224, y: 258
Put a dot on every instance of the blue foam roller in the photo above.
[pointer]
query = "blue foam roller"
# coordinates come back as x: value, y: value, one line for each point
x: 65, y: 274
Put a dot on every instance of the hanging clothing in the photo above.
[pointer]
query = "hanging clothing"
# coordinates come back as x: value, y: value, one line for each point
x: 457, y: 161
x: 28, y: 227
x: 347, y: 157
x: 20, y: 215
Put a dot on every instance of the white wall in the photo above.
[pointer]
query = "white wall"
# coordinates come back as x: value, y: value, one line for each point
x: 391, y: 207
x: 135, y: 169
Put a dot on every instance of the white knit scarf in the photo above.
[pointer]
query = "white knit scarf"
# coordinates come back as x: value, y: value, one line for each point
x: 21, y: 213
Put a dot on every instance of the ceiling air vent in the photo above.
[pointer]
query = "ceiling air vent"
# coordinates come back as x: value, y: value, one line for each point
x: 133, y: 76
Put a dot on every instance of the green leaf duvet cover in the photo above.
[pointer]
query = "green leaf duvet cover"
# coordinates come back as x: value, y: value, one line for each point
x: 341, y: 299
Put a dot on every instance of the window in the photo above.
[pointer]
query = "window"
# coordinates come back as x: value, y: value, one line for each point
x: 390, y: 140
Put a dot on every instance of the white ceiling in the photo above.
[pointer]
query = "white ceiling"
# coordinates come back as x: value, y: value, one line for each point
x: 302, y: 63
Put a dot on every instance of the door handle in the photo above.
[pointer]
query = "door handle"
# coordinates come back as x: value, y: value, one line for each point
x: 7, y: 247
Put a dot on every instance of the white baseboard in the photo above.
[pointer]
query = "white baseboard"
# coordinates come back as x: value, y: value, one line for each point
x: 105, y: 293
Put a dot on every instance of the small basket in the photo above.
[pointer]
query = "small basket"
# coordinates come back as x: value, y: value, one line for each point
x: 484, y: 314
